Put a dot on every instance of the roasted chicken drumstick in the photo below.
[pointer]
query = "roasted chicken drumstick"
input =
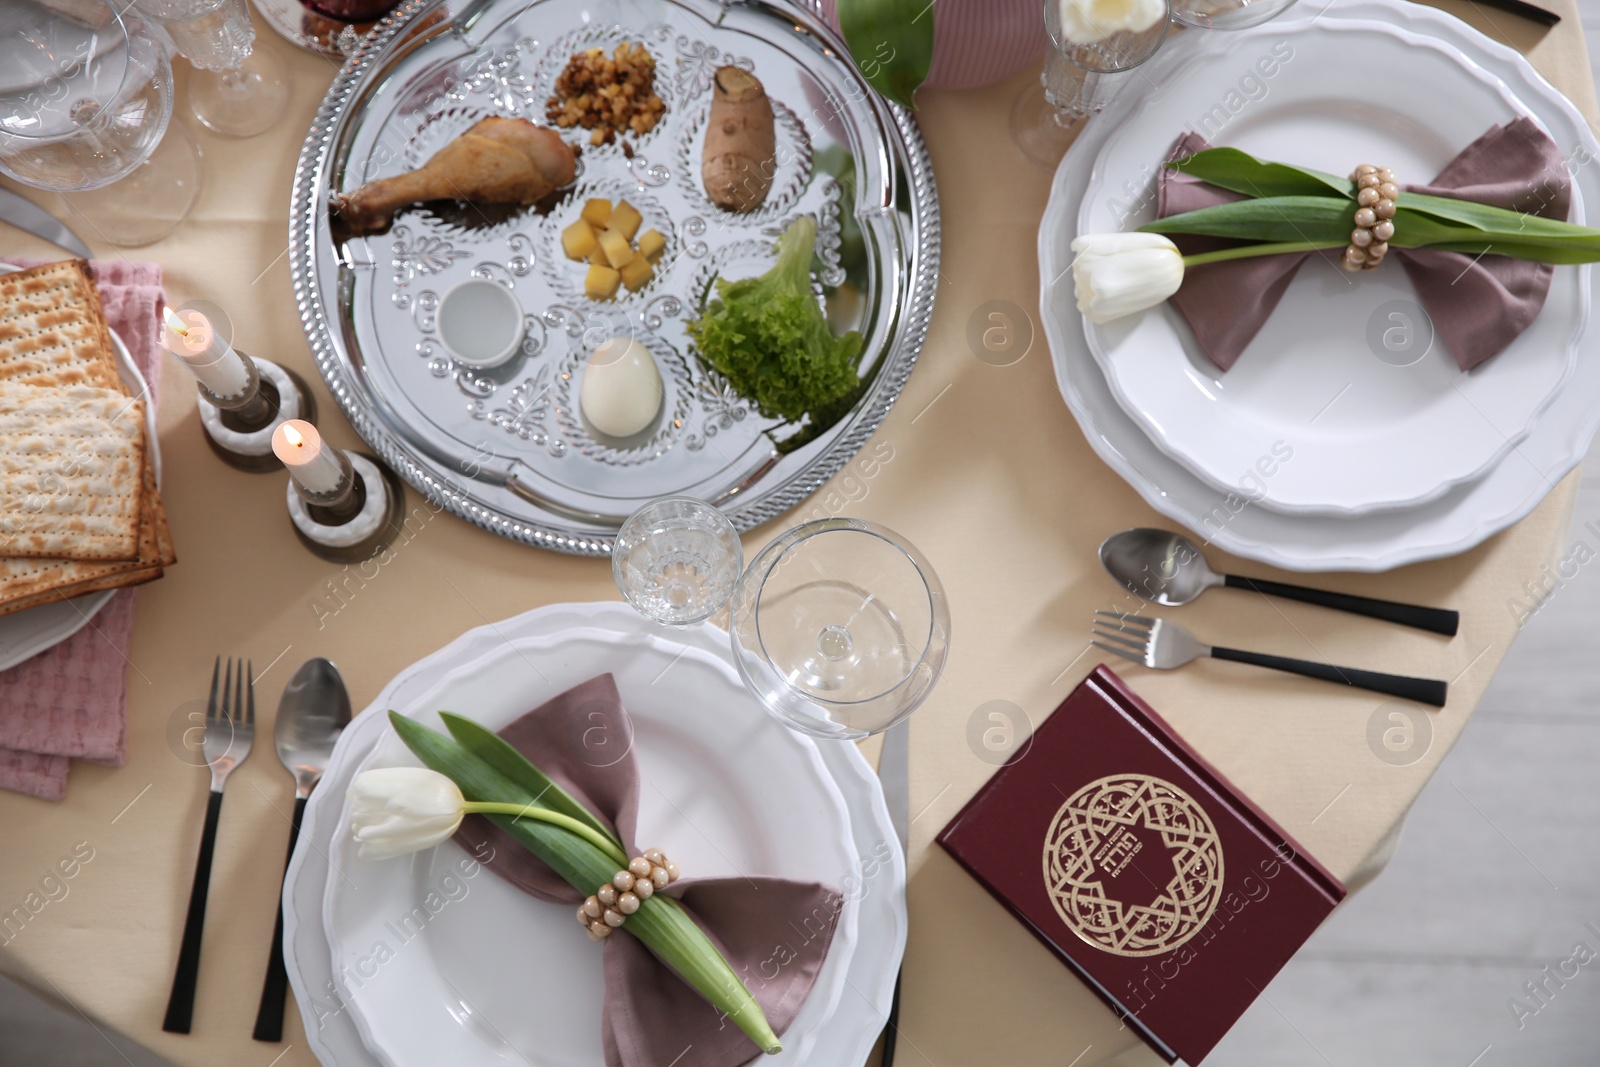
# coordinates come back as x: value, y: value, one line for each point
x: 497, y: 161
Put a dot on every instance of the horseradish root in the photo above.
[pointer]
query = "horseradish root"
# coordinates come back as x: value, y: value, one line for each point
x: 740, y: 153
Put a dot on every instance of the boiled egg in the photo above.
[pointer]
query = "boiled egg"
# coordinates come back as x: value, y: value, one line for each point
x: 621, y: 390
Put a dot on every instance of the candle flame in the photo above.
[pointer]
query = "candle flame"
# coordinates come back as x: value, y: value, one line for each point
x: 293, y: 436
x: 175, y: 324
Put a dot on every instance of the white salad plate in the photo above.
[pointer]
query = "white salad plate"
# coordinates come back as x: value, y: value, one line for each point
x: 25, y: 634
x: 1375, y: 541
x: 1346, y: 378
x: 511, y: 984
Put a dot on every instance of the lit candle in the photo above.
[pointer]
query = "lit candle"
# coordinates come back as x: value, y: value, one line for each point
x: 212, y: 360
x: 313, y: 466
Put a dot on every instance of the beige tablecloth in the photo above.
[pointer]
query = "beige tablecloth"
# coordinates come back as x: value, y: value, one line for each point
x: 980, y: 465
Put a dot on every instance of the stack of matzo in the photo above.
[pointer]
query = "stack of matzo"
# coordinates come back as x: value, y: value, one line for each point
x: 79, y: 509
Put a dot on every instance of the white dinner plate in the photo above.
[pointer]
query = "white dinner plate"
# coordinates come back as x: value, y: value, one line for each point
x: 727, y: 791
x: 25, y: 634
x: 1342, y: 379
x: 1377, y: 541
x: 875, y: 887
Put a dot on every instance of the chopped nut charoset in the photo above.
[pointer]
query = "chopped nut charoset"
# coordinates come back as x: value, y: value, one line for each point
x: 608, y: 96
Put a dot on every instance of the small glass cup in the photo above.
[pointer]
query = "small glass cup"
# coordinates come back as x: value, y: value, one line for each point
x: 840, y: 628
x: 1079, y: 80
x: 1081, y: 77
x: 676, y: 560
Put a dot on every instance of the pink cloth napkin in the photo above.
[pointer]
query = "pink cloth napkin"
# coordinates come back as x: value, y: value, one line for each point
x: 775, y: 932
x: 1479, y: 305
x: 71, y: 700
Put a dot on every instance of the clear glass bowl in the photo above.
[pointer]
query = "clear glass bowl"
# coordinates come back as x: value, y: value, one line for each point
x: 676, y: 560
x: 840, y: 628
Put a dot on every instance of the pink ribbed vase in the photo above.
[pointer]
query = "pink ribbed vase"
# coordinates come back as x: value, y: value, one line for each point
x: 977, y: 42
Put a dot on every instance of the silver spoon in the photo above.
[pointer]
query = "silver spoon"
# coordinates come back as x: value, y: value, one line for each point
x: 1167, y: 568
x: 313, y: 711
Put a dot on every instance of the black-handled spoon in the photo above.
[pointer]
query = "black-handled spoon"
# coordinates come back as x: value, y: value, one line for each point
x: 312, y: 713
x: 1167, y: 568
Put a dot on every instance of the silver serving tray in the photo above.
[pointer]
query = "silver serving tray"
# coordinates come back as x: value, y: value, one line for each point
x: 506, y: 448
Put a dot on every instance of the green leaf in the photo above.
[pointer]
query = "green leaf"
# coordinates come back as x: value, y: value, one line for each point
x: 499, y: 754
x: 1497, y: 220
x: 770, y: 339
x: 891, y: 42
x: 1321, y: 219
x: 1239, y: 172
x: 1562, y: 253
x: 1327, y: 222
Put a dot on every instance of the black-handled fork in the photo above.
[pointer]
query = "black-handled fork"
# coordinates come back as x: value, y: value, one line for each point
x: 229, y: 730
x: 1164, y: 645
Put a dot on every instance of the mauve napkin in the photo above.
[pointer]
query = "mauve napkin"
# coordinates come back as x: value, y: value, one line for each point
x: 71, y: 700
x: 773, y: 931
x: 1478, y: 305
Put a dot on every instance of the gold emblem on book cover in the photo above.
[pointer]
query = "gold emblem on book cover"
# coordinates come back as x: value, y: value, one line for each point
x: 1133, y: 865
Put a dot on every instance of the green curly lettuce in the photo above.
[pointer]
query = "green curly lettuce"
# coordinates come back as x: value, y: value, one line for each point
x: 769, y: 338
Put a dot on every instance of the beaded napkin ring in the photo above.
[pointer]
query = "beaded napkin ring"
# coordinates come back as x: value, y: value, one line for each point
x: 1376, y: 194
x: 619, y: 898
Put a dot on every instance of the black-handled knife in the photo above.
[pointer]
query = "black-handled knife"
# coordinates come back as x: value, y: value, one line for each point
x: 894, y: 775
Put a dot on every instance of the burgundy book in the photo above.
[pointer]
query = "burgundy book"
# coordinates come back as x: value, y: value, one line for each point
x: 1161, y: 885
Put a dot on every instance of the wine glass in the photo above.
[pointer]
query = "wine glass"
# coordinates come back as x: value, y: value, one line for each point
x: 235, y: 89
x: 85, y: 102
x: 840, y: 628
x: 676, y: 560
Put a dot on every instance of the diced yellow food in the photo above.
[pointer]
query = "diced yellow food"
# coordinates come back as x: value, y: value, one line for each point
x: 636, y: 273
x: 601, y: 282
x: 651, y: 244
x: 598, y: 255
x: 617, y: 249
x: 578, y: 240
x: 597, y: 213
x: 625, y: 219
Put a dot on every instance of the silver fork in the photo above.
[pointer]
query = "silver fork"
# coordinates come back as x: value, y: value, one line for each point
x: 1164, y: 645
x: 230, y: 728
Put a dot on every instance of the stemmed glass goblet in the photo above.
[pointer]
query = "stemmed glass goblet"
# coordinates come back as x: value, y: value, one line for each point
x: 85, y: 106
x: 235, y: 89
x: 840, y: 628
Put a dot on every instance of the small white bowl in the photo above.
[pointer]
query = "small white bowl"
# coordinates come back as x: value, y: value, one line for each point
x: 480, y: 323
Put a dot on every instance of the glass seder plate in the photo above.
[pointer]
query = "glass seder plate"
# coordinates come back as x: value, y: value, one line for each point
x: 506, y: 448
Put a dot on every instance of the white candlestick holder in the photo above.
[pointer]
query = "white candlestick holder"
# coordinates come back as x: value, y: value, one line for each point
x: 239, y: 428
x: 356, y: 520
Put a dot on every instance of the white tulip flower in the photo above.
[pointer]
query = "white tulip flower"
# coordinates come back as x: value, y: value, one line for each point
x: 398, y: 810
x: 1088, y: 21
x: 1116, y: 274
